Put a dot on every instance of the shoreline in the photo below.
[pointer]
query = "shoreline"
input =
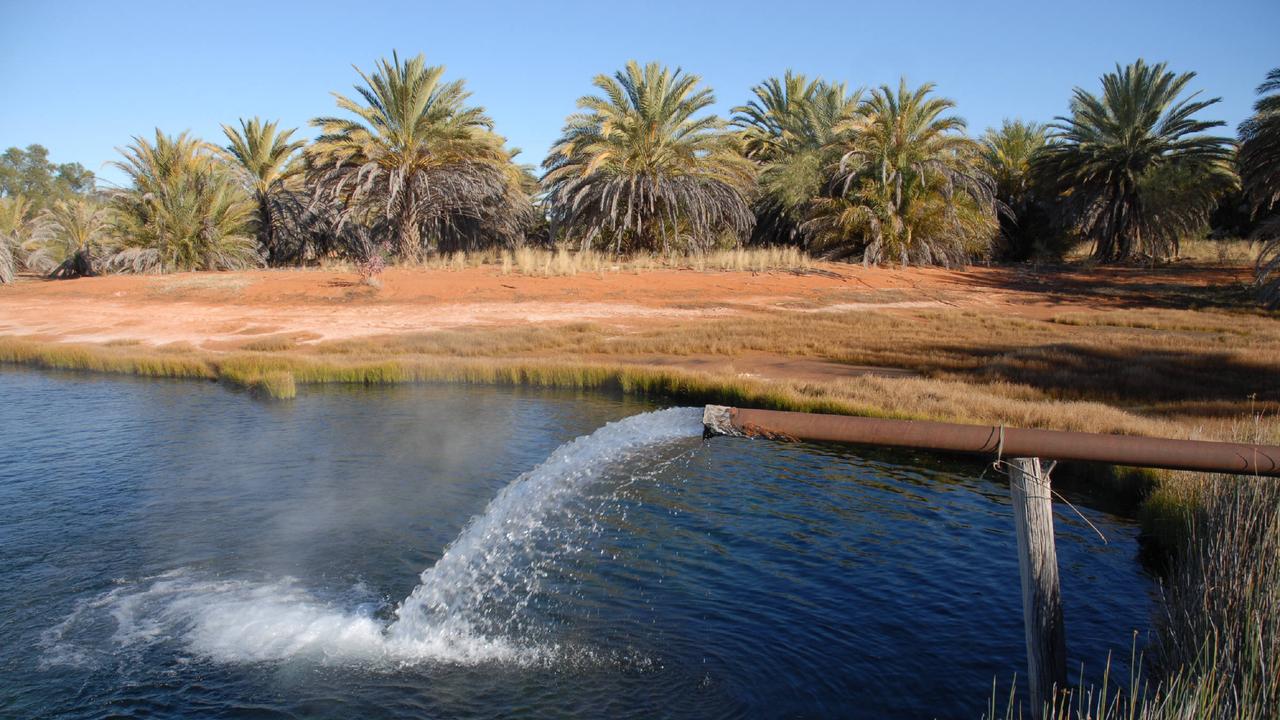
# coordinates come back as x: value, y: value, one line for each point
x: 1164, y: 352
x: 1124, y: 491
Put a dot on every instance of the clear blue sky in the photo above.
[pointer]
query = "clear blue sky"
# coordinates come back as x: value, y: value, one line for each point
x: 82, y: 78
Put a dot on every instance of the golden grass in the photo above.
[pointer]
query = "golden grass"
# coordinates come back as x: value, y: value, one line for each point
x: 277, y: 385
x: 185, y: 282
x: 121, y: 360
x: 268, y: 372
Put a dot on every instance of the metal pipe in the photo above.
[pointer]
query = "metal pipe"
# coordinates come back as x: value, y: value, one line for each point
x: 994, y: 440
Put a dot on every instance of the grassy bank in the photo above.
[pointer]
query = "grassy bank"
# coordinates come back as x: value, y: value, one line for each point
x: 277, y: 375
x: 1216, y: 643
x: 459, y: 358
x: 502, y: 359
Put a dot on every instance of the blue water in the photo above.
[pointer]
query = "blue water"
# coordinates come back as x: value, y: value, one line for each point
x: 176, y: 549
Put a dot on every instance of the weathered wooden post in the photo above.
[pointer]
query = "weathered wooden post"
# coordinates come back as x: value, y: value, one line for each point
x: 1041, y: 592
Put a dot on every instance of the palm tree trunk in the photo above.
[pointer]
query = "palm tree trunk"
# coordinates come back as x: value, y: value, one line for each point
x: 408, y: 234
x: 266, y: 229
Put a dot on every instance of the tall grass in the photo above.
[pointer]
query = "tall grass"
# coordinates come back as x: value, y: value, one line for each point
x: 1219, y: 629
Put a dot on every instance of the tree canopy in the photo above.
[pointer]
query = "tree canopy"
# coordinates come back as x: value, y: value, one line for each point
x: 1260, y: 170
x: 29, y: 173
x: 418, y: 163
x: 1116, y: 152
x: 643, y: 166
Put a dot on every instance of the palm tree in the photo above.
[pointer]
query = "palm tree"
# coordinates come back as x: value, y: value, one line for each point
x: 1008, y: 154
x: 1259, y: 161
x: 417, y: 163
x: 270, y: 167
x: 1102, y: 153
x: 183, y: 211
x: 7, y: 264
x: 1260, y: 146
x: 787, y: 129
x: 70, y: 237
x: 912, y: 188
x: 640, y: 168
x: 15, y: 230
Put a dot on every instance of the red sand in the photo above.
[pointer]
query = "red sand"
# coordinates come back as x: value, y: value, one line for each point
x: 219, y: 310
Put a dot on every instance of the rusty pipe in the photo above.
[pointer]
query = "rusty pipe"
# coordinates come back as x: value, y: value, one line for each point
x: 997, y: 441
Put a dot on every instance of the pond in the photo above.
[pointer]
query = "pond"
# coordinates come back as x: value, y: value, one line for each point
x: 173, y: 548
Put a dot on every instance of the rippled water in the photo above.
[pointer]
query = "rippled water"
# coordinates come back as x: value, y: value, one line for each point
x: 173, y: 548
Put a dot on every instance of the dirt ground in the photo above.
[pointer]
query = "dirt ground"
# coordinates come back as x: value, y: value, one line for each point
x: 211, y: 310
x: 223, y: 311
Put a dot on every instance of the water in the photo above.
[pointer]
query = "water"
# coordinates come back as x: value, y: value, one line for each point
x: 173, y: 549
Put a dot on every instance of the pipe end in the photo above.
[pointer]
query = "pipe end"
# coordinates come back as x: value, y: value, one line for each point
x: 718, y: 420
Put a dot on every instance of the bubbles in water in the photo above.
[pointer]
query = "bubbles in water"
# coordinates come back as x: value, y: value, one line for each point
x: 466, y: 610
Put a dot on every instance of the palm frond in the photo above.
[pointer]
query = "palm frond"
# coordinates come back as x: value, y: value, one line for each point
x: 269, y: 165
x: 910, y: 185
x: 1259, y: 162
x: 1100, y: 157
x: 417, y: 163
x: 643, y: 168
x: 70, y: 238
x: 1009, y: 153
x: 184, y: 209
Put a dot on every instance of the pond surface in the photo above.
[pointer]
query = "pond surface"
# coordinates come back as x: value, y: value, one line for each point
x: 175, y: 549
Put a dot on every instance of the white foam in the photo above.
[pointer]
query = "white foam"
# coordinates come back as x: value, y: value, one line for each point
x: 243, y: 621
x: 463, y: 612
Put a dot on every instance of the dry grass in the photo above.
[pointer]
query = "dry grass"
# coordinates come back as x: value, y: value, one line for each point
x: 905, y: 398
x: 1228, y: 251
x: 169, y: 285
x: 1220, y: 625
x: 275, y: 385
x: 1185, y: 366
x: 538, y: 262
x: 279, y: 342
x: 271, y: 343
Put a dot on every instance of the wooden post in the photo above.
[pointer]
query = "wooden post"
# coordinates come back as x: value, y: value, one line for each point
x: 1041, y: 592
